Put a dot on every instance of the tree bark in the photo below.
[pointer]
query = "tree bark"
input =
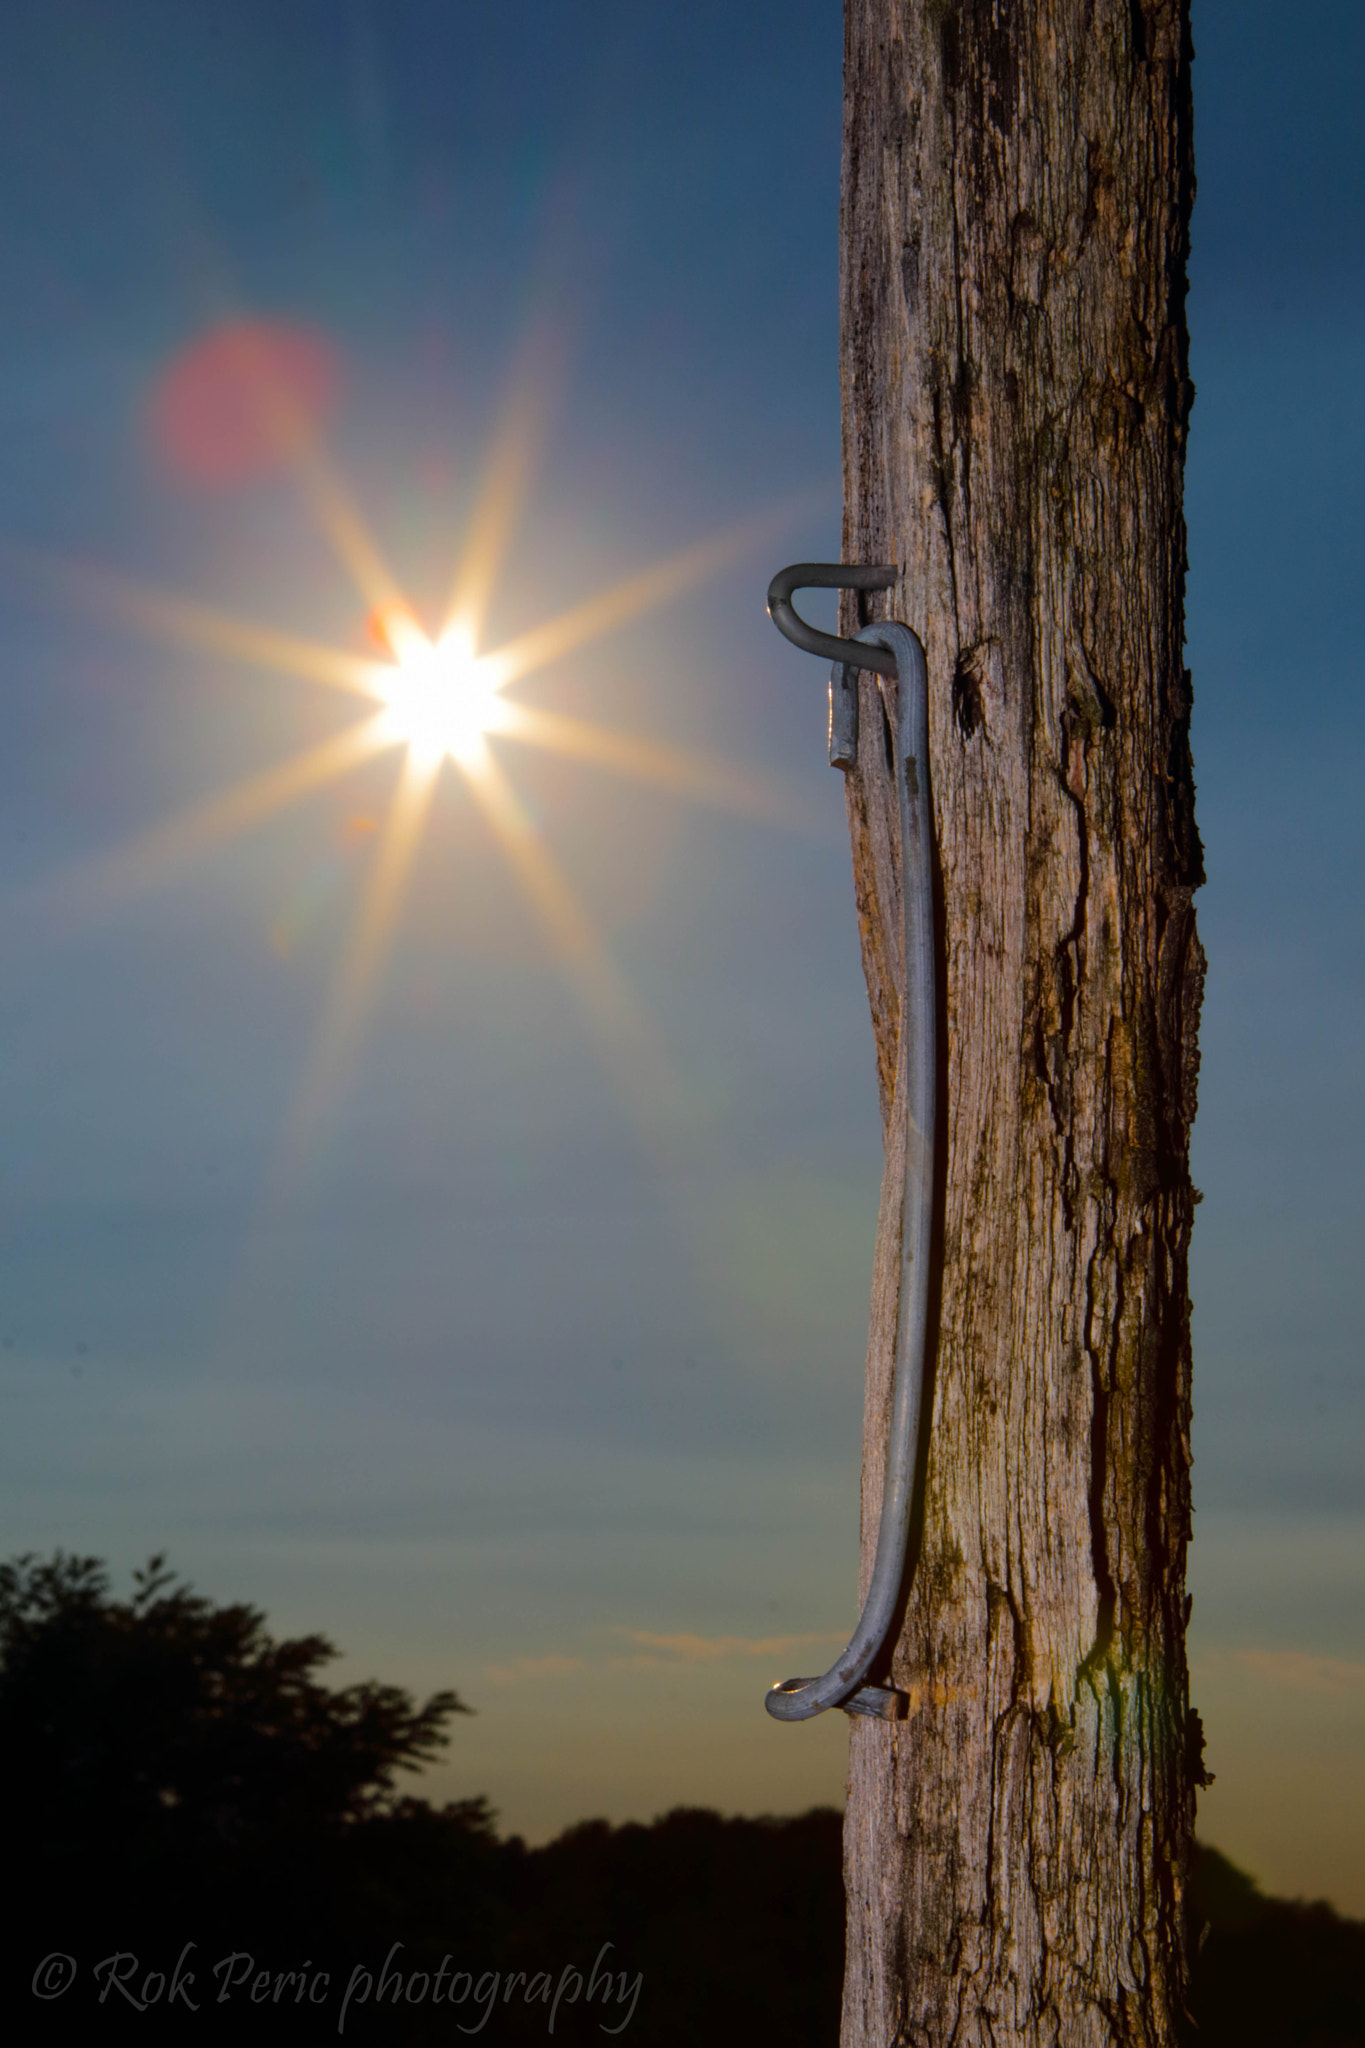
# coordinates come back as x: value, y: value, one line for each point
x: 1018, y: 176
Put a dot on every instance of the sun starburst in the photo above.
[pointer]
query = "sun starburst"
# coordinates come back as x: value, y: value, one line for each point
x: 439, y: 699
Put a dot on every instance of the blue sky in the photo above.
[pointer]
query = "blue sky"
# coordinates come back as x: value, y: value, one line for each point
x: 508, y: 1388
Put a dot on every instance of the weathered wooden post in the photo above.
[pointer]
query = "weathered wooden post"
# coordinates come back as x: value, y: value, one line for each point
x: 1018, y: 181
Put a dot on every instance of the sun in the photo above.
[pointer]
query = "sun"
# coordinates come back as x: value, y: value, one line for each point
x: 440, y: 698
x: 435, y: 699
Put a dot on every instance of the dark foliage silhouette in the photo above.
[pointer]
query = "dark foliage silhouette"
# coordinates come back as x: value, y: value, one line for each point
x: 1271, y: 1973
x: 183, y: 1723
x: 173, y: 1773
x: 737, y: 1925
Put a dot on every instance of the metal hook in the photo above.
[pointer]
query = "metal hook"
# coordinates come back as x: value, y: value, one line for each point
x: 830, y: 576
x: 844, y: 1684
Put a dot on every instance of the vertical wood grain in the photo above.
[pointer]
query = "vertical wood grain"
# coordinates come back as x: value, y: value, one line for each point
x: 1018, y: 177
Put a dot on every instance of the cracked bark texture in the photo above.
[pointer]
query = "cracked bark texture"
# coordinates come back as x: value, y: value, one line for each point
x: 1018, y: 176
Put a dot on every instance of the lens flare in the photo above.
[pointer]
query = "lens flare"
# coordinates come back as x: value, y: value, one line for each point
x: 232, y: 406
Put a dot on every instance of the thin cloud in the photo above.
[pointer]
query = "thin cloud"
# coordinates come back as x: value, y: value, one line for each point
x: 1302, y: 1672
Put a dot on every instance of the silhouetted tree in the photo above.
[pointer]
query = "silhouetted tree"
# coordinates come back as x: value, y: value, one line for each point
x: 174, y: 1727
x: 173, y: 1772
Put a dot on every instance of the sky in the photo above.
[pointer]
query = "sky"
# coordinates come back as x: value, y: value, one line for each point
x: 495, y: 1300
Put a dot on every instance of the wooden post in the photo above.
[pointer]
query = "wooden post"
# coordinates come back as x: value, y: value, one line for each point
x: 1018, y: 177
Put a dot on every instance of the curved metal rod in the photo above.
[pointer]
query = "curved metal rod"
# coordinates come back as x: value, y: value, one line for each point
x: 830, y: 576
x: 842, y: 1685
